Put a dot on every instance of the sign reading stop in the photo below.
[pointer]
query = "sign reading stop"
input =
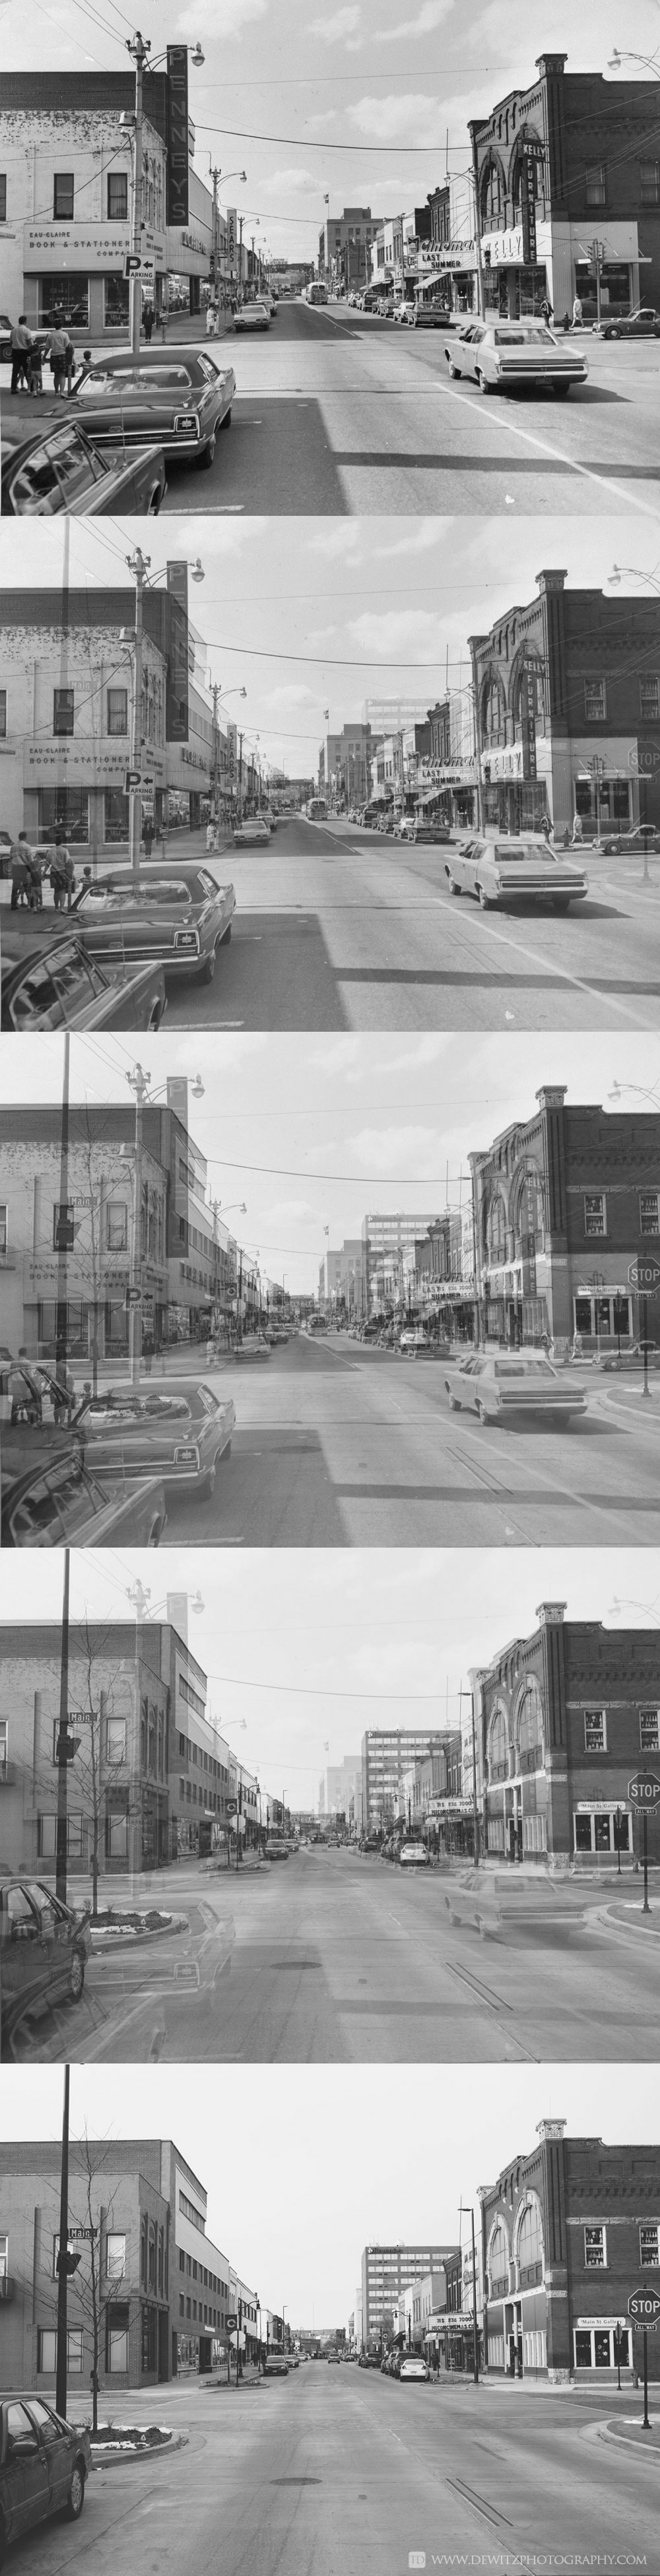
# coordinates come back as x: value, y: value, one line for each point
x: 644, y: 1790
x: 644, y: 2307
x: 644, y: 1274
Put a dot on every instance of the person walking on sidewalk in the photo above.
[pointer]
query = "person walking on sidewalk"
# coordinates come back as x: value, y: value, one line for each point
x: 61, y: 352
x: 148, y: 319
x: 56, y: 864
x: 21, y: 344
x: 19, y: 872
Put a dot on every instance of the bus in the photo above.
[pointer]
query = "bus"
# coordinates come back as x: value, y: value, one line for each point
x: 316, y: 292
x: 316, y: 809
x: 316, y: 1324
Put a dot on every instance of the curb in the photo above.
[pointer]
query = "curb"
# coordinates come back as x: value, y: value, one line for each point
x: 623, y: 2442
x: 125, y: 1938
x: 136, y: 2459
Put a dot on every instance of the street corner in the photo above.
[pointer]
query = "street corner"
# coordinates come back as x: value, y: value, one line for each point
x: 129, y: 2445
x: 627, y: 2433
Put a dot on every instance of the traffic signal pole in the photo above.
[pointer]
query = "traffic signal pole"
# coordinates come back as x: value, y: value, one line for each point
x: 63, y: 1745
x: 62, y: 2275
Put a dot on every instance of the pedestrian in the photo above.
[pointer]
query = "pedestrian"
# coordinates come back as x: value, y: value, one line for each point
x: 211, y: 321
x: 577, y: 313
x: 21, y: 343
x: 35, y: 361
x: 35, y: 892
x: 210, y: 836
x: 55, y: 869
x: 546, y: 828
x: 546, y: 311
x: 566, y: 323
x: 577, y: 831
x: 148, y: 835
x: 19, y: 872
x: 148, y: 319
x: 147, y: 1352
x: 60, y: 348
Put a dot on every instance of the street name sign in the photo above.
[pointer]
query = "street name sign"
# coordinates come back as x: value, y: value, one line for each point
x: 644, y: 1791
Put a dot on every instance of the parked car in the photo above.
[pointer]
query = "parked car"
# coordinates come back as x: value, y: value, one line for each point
x: 276, y: 1849
x: 276, y: 2366
x: 180, y: 397
x: 430, y: 317
x: 252, y: 317
x: 53, y: 984
x: 417, y: 1345
x: 643, y: 324
x: 501, y: 872
x: 644, y: 837
x: 618, y: 1363
x: 44, y: 2465
x: 50, y: 1497
x: 413, y: 2366
x: 63, y: 469
x: 44, y: 1946
x: 431, y: 835
x: 253, y: 834
x: 332, y: 2357
x: 501, y: 1385
x: 413, y: 1856
x: 502, y: 356
x: 403, y: 310
x: 175, y: 1428
x: 252, y: 1347
x: 172, y: 910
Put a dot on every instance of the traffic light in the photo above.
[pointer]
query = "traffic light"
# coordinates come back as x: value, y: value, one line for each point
x: 69, y: 2261
x: 67, y: 1746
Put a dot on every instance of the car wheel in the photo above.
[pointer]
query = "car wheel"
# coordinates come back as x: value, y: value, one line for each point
x: 484, y: 898
x: 209, y: 967
x: 154, y: 501
x: 454, y: 1406
x: 155, y: 1015
x: 484, y: 1417
x: 76, y: 2496
x: 453, y: 887
x: 452, y: 370
x: 224, y: 424
x: 612, y: 335
x: 76, y: 1976
x: 484, y: 387
x: 208, y: 452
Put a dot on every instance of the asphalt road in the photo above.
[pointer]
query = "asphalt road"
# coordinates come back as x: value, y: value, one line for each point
x: 337, y: 413
x: 345, y: 2470
x: 336, y: 1956
x: 340, y: 1445
x: 337, y: 928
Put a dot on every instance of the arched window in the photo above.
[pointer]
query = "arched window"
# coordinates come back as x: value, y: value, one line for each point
x: 493, y: 194
x: 529, y: 1722
x: 493, y: 707
x: 529, y: 2238
x: 498, y: 2264
x: 152, y: 1740
x: 496, y: 1230
x: 498, y: 1743
x: 529, y: 158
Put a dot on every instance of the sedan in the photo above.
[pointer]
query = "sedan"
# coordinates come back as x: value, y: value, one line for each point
x: 644, y: 837
x: 64, y: 470
x: 178, y: 1429
x: 49, y: 1498
x: 430, y: 317
x: 404, y: 311
x: 643, y: 324
x: 44, y: 2465
x: 431, y: 834
x: 44, y: 1945
x: 253, y: 1346
x: 500, y: 1385
x: 174, y: 912
x: 498, y: 356
x: 416, y: 1346
x: 503, y: 872
x: 180, y: 397
x: 617, y: 1363
x: 254, y: 834
x: 413, y: 1856
x: 252, y: 317
x: 412, y: 2366
x: 56, y: 986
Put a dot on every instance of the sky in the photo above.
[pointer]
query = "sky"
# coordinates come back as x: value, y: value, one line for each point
x: 312, y: 614
x: 296, y: 2188
x: 366, y: 101
x: 315, y: 1132
x: 304, y: 1654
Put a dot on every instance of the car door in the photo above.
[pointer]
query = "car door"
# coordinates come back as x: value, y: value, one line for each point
x: 22, y: 1957
x: 58, y: 2450
x: 464, y: 867
x: 55, y: 1937
x: 469, y: 346
x: 24, y: 2485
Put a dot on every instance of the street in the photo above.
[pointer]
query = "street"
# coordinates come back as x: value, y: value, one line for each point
x: 338, y: 413
x: 344, y: 2469
x: 335, y: 1956
x: 340, y: 1445
x: 341, y: 928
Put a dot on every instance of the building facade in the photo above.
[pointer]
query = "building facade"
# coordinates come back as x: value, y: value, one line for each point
x: 562, y: 1721
x: 565, y: 1205
x: 567, y: 706
x: 388, y: 1753
x: 567, y: 185
x: 386, y: 1241
x: 569, y: 2230
x: 66, y: 157
x: 387, y: 2271
x: 66, y: 695
x: 345, y: 248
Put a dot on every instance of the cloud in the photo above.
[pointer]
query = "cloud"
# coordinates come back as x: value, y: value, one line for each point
x: 400, y: 118
x: 428, y: 18
x: 390, y: 633
x: 288, y: 179
x: 286, y: 699
x: 345, y: 24
x: 200, y: 20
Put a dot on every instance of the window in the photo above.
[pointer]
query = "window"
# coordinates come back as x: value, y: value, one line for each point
x: 595, y: 2249
x: 649, y: 2245
x: 595, y: 1731
x: 117, y: 196
x: 116, y: 2340
x: 47, y: 2350
x: 649, y: 183
x: 3, y: 197
x: 595, y: 184
x: 649, y: 1212
x: 115, y: 2258
x: 47, y: 1837
x: 595, y: 701
x: 595, y: 1213
x: 115, y: 303
x: 63, y: 711
x: 4, y: 1744
x: 118, y: 711
x: 116, y: 1834
x: 116, y: 1225
x: 649, y: 1730
x: 3, y: 715
x: 649, y: 700
x: 74, y: 2351
x: 115, y: 1739
x: 63, y: 197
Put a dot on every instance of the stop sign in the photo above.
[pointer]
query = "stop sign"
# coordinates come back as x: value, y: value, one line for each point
x: 644, y: 1789
x: 644, y: 1273
x: 644, y: 2305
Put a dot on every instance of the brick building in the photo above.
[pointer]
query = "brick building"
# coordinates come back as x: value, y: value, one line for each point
x: 567, y: 705
x: 561, y: 1721
x: 569, y: 2230
x: 66, y: 712
x: 345, y: 248
x: 66, y: 140
x: 567, y: 178
x: 564, y: 1204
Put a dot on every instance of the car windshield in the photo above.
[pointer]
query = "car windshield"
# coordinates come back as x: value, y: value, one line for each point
x: 128, y: 1405
x: 59, y: 469
x: 528, y: 334
x: 534, y: 1366
x: 135, y: 379
x: 148, y: 890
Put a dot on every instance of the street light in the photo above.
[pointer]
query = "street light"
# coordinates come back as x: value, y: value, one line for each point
x: 217, y: 692
x: 649, y: 60
x: 139, y: 48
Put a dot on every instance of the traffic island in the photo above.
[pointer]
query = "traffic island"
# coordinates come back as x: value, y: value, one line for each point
x: 629, y: 2434
x: 110, y: 1930
x: 113, y: 2446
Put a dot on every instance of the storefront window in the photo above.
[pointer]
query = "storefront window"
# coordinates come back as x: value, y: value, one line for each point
x: 116, y: 815
x: 64, y: 809
x: 115, y: 303
x: 67, y: 295
x: 614, y: 288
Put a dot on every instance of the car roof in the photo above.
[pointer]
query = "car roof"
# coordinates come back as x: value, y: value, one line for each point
x: 168, y: 351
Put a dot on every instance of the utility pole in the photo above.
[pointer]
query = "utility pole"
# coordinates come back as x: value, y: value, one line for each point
x: 62, y: 2256
x: 240, y: 259
x: 138, y: 47
x: 63, y: 1233
x: 216, y: 751
x: 240, y: 778
x: 66, y: 1747
x: 463, y: 2213
x: 137, y: 1082
x: 214, y: 174
x: 138, y: 565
